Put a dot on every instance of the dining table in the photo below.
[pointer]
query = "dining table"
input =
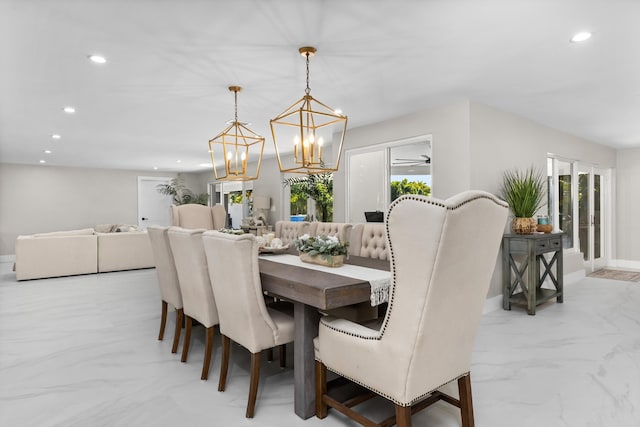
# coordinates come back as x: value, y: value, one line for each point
x: 312, y: 290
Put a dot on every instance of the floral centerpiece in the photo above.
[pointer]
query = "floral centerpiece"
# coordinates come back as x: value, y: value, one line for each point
x: 237, y: 231
x: 325, y: 250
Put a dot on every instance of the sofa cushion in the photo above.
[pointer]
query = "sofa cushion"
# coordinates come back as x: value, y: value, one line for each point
x: 124, y: 251
x: 115, y: 228
x: 82, y: 232
x: 55, y: 255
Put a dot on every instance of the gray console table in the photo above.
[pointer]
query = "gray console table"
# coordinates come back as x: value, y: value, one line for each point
x: 523, y: 259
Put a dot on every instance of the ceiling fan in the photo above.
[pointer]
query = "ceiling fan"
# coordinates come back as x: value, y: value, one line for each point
x: 424, y: 161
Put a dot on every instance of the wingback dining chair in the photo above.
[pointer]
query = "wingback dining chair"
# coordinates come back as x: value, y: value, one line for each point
x: 167, y: 280
x: 244, y: 316
x: 443, y: 253
x: 197, y: 296
x: 194, y: 216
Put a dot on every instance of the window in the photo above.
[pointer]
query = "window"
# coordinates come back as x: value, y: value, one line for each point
x: 311, y: 197
x: 379, y: 174
x: 560, y: 197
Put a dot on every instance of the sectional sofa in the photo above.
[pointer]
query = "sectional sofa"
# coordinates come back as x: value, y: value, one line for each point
x: 86, y: 251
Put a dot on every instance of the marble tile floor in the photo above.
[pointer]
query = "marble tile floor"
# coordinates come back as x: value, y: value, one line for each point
x: 82, y: 351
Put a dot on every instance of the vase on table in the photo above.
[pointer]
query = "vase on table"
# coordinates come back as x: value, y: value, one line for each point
x: 329, y: 260
x: 524, y: 225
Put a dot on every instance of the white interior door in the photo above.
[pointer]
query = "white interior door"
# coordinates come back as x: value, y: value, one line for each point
x: 153, y: 207
x: 593, y: 215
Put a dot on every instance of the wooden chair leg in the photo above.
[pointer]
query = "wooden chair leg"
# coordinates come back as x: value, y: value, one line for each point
x: 224, y: 364
x: 163, y: 320
x: 187, y: 338
x: 282, y: 355
x: 269, y: 354
x: 207, y: 354
x: 321, y: 389
x: 466, y: 402
x: 176, y: 333
x: 253, y: 387
x: 403, y: 416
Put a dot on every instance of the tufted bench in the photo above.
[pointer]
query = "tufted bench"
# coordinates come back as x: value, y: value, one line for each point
x: 369, y: 240
x: 339, y: 229
x: 288, y: 231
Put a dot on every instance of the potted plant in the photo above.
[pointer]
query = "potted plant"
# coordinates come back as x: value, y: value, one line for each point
x: 180, y: 193
x: 524, y: 191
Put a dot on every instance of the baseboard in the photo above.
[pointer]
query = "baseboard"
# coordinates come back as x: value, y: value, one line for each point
x: 575, y: 277
x: 495, y: 303
x: 7, y: 258
x: 623, y: 263
x: 492, y: 304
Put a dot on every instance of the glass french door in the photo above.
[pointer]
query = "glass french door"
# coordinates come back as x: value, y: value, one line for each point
x: 593, y: 202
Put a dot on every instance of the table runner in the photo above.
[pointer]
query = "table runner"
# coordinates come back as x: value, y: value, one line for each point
x: 380, y: 280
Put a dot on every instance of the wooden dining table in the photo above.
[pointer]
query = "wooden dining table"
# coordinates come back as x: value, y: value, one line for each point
x: 312, y: 290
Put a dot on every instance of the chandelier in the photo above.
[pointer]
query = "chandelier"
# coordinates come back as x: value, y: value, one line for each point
x: 308, y: 135
x: 237, y: 150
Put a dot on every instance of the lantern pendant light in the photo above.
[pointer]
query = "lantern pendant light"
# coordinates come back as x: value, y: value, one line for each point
x: 308, y: 135
x: 237, y: 150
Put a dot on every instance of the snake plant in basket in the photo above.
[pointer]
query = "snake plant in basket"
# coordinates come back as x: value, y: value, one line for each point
x: 524, y: 191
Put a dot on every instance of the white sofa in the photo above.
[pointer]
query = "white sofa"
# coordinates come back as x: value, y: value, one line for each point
x: 67, y: 253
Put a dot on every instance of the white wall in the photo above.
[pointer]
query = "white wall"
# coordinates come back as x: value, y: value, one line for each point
x: 473, y: 145
x: 501, y: 141
x: 449, y: 128
x: 628, y: 207
x: 37, y: 199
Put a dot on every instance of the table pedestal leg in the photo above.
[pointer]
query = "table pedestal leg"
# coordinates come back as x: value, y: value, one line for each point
x: 306, y: 320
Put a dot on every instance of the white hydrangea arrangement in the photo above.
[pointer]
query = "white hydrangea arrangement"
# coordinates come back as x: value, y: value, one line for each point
x: 323, y: 246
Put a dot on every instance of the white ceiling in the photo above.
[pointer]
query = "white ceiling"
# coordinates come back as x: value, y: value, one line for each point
x: 163, y: 92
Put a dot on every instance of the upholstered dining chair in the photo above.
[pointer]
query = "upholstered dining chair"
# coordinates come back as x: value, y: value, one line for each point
x: 197, y: 296
x: 195, y: 216
x: 443, y: 253
x: 244, y: 316
x: 167, y: 280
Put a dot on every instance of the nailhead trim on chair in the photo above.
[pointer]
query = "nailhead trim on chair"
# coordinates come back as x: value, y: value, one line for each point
x: 430, y: 201
x: 422, y: 199
x: 397, y: 402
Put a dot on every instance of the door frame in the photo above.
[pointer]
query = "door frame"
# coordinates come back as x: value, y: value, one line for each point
x: 591, y: 263
x: 160, y: 180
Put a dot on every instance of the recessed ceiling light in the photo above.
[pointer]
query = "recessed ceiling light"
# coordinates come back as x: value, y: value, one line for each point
x: 155, y: 168
x: 47, y: 151
x: 69, y: 110
x: 581, y: 36
x: 56, y: 136
x: 205, y: 165
x: 338, y: 111
x: 178, y: 161
x: 43, y: 161
x: 97, y: 59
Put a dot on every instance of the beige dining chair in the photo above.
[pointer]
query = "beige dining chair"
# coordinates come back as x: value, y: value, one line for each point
x: 167, y: 280
x: 443, y: 254
x: 197, y: 296
x: 195, y: 216
x: 244, y: 316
